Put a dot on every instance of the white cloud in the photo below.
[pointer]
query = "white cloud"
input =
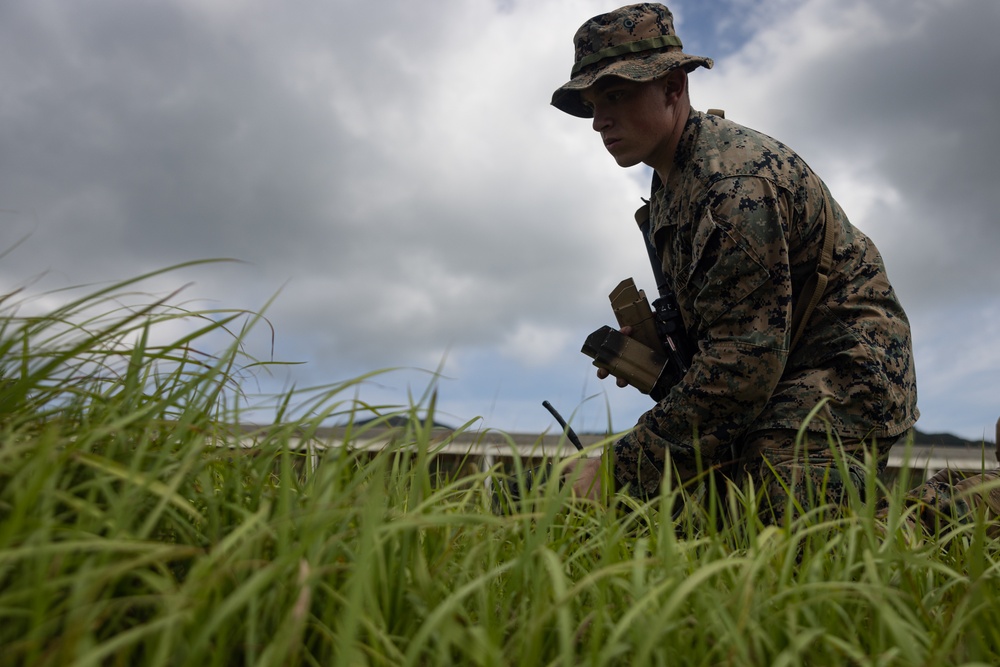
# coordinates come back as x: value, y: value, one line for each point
x: 901, y: 131
x: 398, y: 174
x: 532, y: 345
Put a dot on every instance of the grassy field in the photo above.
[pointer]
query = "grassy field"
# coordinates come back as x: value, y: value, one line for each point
x: 133, y: 531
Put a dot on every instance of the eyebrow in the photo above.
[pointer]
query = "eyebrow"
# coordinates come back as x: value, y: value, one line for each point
x: 606, y: 82
x: 602, y: 85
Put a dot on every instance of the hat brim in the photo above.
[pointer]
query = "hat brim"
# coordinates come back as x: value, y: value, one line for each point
x: 637, y: 67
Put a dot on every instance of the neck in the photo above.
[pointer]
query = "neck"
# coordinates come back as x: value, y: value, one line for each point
x: 679, y: 116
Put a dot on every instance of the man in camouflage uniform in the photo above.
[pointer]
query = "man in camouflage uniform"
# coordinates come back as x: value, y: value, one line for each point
x: 738, y: 221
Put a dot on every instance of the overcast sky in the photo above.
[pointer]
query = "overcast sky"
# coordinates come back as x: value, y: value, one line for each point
x: 393, y: 172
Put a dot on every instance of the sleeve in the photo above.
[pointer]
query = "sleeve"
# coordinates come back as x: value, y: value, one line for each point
x: 736, y: 298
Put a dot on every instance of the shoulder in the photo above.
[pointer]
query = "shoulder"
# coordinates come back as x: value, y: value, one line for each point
x: 719, y: 149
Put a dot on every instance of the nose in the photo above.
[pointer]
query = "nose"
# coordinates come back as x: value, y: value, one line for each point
x: 601, y: 120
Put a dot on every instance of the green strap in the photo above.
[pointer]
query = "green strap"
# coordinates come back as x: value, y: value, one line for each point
x: 629, y: 47
x: 816, y: 285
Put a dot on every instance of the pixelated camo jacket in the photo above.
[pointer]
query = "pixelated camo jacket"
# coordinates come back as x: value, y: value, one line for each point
x: 739, y: 227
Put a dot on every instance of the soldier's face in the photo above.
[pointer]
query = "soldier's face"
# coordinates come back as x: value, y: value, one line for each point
x: 634, y: 120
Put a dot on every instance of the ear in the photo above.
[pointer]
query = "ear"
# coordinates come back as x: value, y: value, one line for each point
x: 674, y: 85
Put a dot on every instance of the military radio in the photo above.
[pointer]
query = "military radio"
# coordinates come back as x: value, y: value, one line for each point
x: 656, y: 353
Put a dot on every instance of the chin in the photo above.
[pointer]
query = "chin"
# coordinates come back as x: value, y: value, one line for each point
x: 626, y: 161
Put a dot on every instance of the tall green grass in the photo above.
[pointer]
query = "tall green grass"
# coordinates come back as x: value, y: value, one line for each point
x: 136, y: 530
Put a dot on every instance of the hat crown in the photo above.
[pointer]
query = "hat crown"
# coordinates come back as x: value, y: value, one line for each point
x: 610, y: 35
x: 636, y: 42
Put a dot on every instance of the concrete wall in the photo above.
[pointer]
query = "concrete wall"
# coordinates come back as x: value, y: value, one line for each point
x: 468, y: 451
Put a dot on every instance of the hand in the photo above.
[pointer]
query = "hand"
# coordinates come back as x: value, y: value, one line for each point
x: 587, y: 482
x: 601, y: 373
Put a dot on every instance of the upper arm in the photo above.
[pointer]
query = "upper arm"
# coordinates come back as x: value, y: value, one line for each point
x: 738, y: 285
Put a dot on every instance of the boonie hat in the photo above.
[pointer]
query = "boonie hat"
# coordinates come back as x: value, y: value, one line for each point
x: 636, y: 42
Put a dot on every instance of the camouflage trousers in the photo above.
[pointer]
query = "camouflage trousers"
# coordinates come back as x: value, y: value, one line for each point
x: 797, y: 477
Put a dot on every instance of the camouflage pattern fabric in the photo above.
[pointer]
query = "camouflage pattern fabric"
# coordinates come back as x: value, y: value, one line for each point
x: 739, y: 226
x: 793, y: 475
x: 635, y: 42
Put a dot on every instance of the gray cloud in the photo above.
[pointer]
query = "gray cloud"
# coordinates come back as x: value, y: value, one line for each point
x: 892, y: 103
x: 398, y: 175
x: 896, y: 94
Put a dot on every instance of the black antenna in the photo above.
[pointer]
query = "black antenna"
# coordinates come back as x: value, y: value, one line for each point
x: 566, y: 427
